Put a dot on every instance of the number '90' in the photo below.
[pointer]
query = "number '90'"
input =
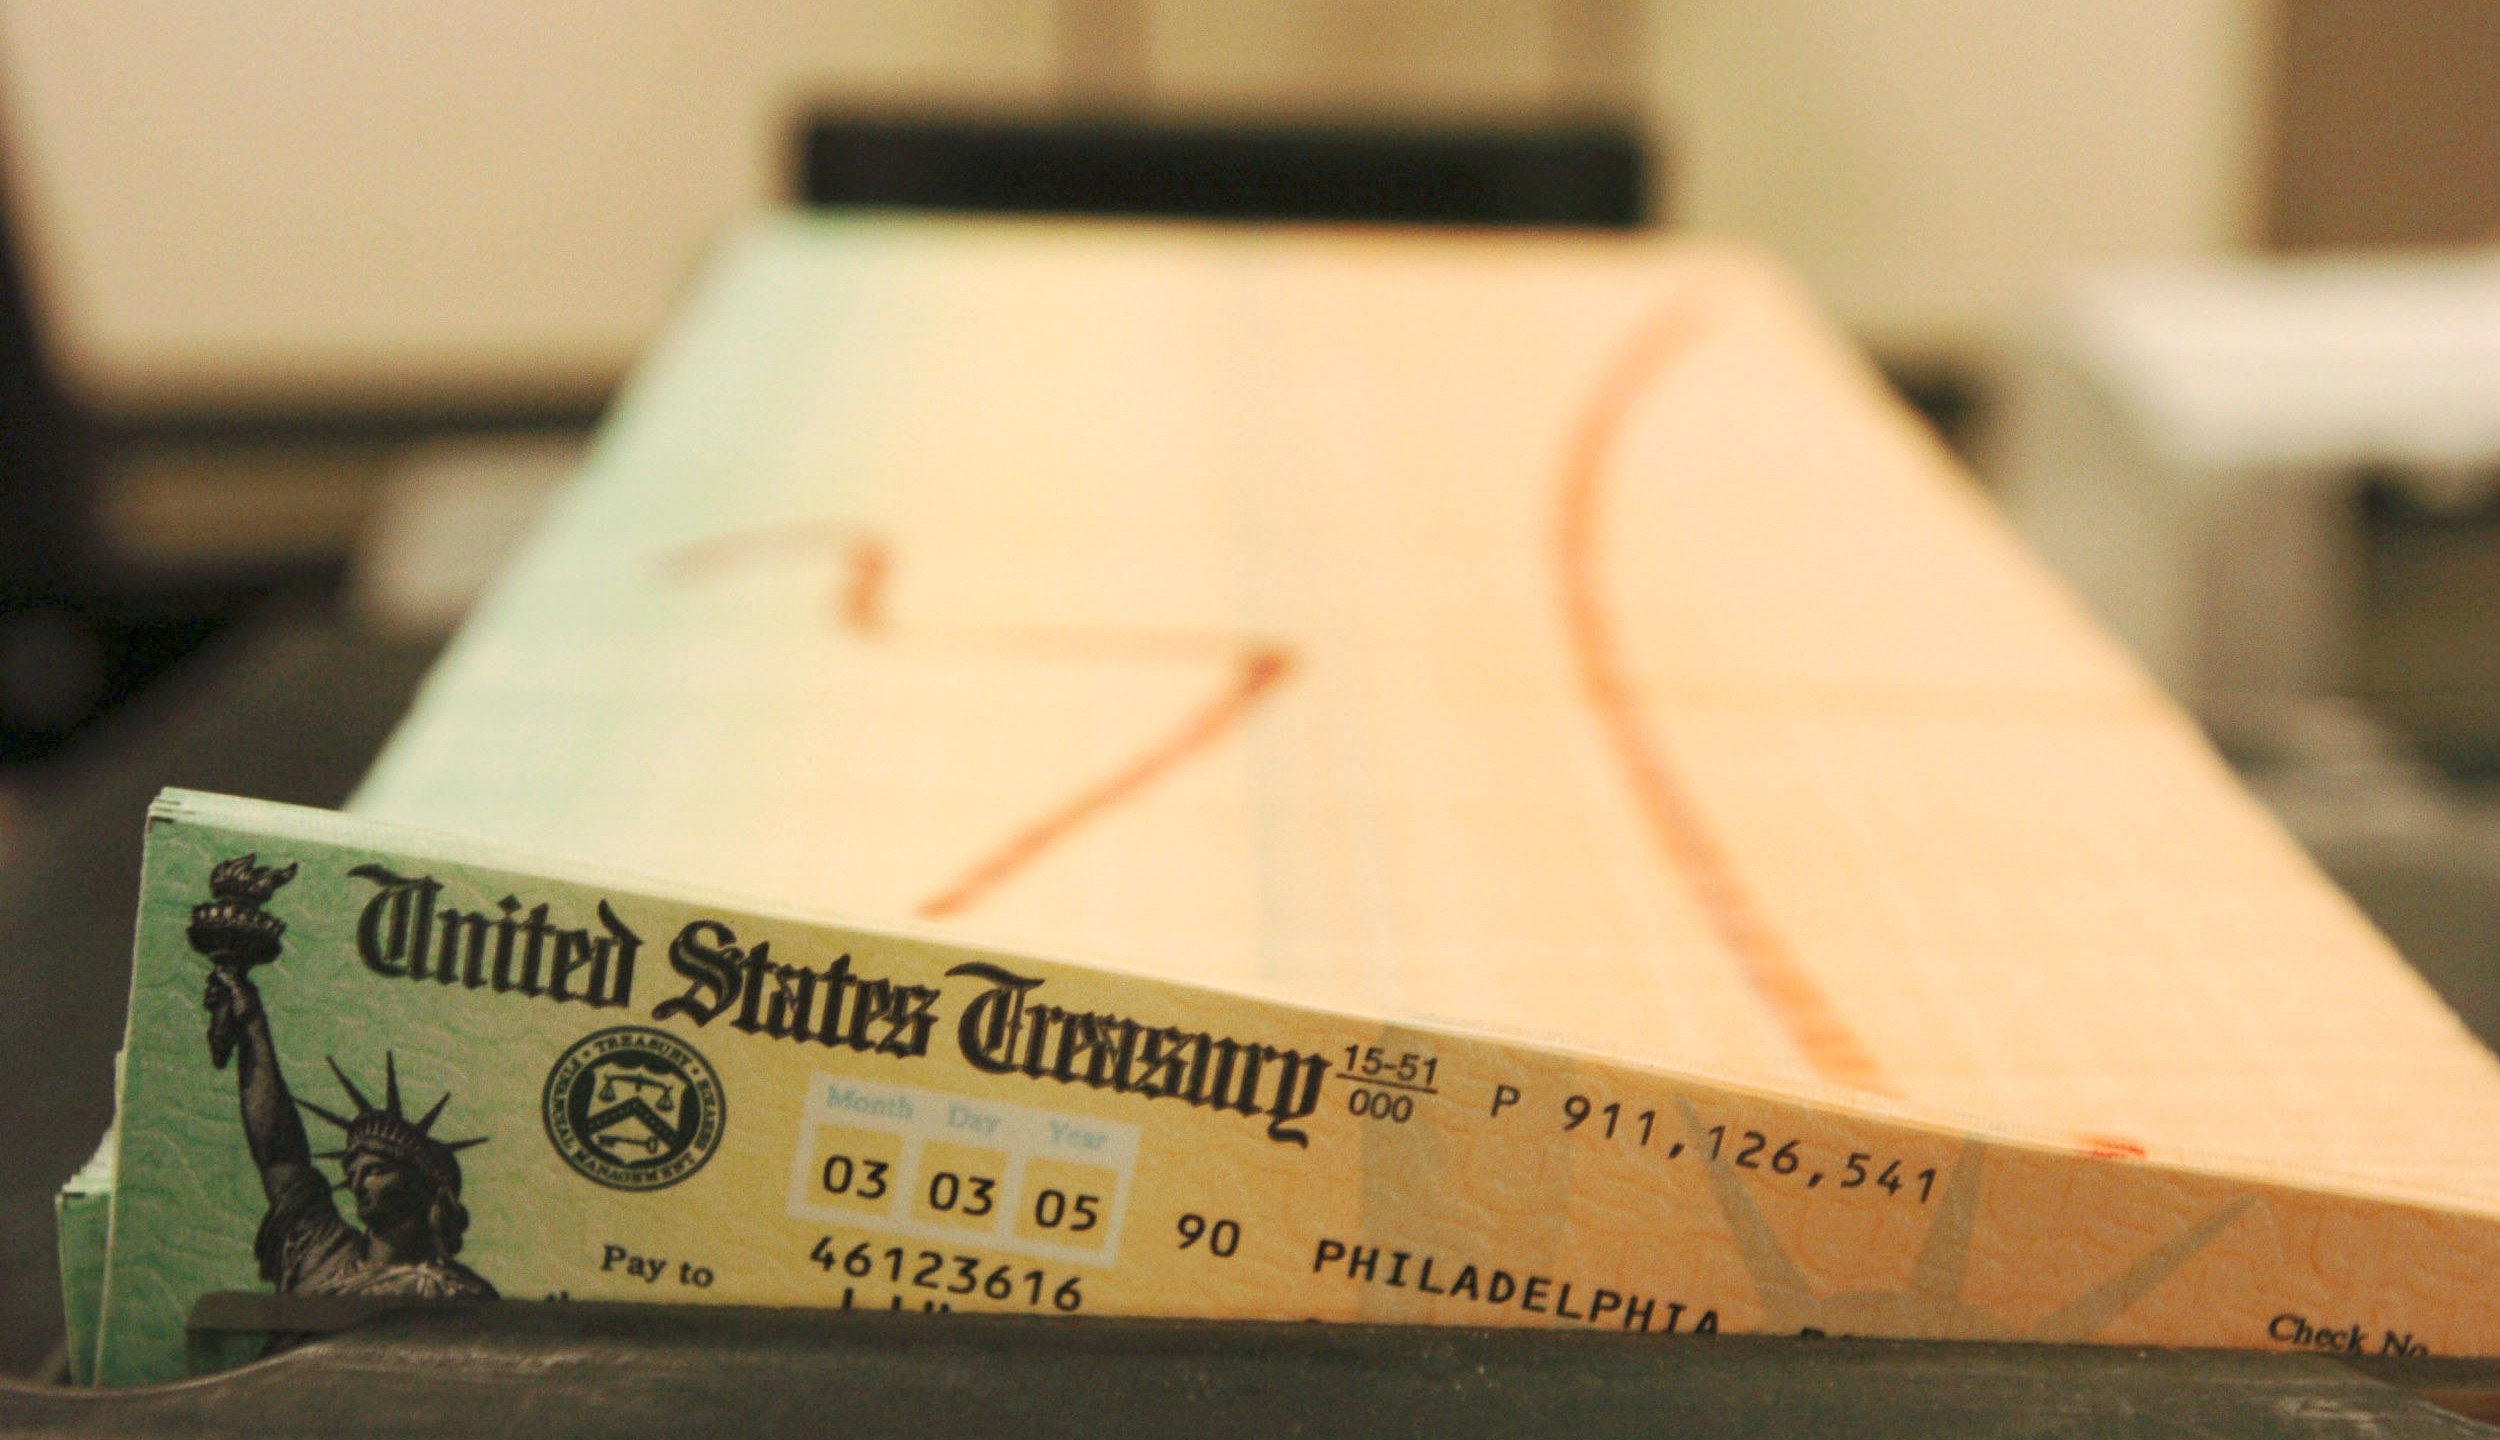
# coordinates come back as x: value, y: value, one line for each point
x: 1222, y: 1237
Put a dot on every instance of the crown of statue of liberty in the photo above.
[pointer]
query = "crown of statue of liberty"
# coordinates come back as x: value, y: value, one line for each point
x: 386, y: 1132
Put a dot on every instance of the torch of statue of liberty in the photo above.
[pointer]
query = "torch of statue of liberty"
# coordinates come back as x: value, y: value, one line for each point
x: 406, y: 1183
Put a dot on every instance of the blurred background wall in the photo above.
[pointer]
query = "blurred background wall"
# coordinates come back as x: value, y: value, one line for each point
x: 291, y: 202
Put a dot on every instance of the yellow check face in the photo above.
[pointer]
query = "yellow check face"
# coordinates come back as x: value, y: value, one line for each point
x: 683, y: 1101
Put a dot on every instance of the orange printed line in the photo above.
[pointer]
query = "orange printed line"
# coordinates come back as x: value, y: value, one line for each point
x: 859, y: 605
x: 866, y: 569
x: 863, y: 599
x: 1792, y: 995
x: 859, y: 600
x: 806, y: 540
x: 2111, y: 1147
x: 1260, y: 671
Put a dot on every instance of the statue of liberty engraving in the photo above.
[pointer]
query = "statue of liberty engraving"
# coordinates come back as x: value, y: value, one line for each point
x: 405, y: 1182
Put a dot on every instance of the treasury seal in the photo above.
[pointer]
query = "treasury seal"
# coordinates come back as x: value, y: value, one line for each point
x: 634, y: 1108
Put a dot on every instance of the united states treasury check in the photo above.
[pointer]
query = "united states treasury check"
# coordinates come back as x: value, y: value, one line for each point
x: 452, y: 1072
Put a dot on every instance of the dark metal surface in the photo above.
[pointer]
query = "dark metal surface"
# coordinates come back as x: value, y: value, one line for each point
x: 616, y: 1372
x: 1552, y: 175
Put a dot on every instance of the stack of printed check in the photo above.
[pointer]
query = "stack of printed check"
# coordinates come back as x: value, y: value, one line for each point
x: 1206, y: 773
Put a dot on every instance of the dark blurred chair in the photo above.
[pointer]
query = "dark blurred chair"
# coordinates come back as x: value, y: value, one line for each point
x: 43, y: 447
x: 45, y: 639
x: 75, y: 638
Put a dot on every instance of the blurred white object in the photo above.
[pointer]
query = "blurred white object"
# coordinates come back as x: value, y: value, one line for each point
x: 2187, y: 443
x: 2191, y: 445
x: 444, y: 521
